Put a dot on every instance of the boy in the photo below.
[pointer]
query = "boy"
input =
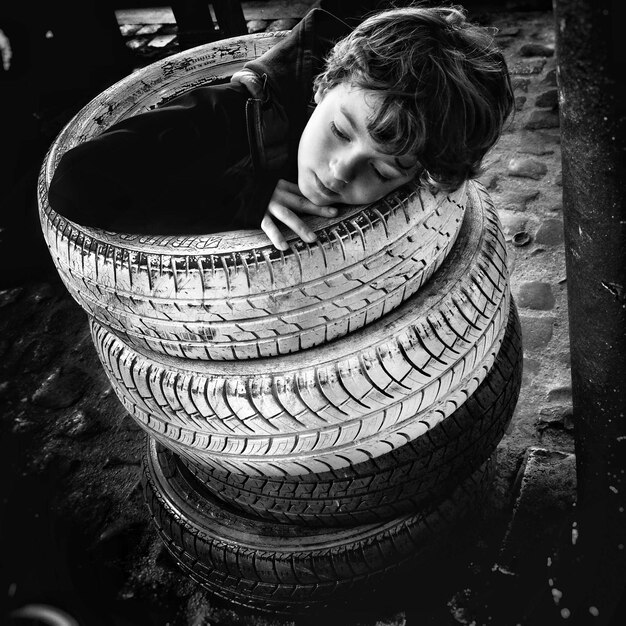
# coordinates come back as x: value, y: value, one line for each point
x: 410, y: 94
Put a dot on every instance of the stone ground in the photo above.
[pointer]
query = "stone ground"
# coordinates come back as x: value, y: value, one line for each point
x: 75, y: 533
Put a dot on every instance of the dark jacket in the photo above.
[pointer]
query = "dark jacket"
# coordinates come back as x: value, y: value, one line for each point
x: 206, y: 161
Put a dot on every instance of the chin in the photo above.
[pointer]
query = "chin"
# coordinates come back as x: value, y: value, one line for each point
x: 309, y: 191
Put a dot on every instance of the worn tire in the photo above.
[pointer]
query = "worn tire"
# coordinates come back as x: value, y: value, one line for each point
x: 343, y: 402
x: 286, y: 568
x: 394, y: 483
x: 233, y: 295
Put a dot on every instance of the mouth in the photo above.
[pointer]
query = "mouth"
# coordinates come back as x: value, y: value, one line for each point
x: 323, y: 189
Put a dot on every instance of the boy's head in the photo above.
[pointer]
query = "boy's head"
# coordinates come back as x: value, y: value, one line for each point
x: 410, y: 92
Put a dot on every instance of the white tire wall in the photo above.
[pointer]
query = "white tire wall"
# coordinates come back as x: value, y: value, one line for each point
x: 343, y: 402
x: 232, y: 295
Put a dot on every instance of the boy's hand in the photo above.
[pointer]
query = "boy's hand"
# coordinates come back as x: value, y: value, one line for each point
x: 285, y: 202
x: 251, y: 80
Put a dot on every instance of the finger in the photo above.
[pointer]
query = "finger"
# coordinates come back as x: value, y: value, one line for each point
x: 251, y: 81
x: 292, y: 221
x: 273, y: 232
x: 289, y: 186
x: 294, y: 200
x: 307, y: 206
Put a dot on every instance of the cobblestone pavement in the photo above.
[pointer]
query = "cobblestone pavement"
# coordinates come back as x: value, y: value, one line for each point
x: 75, y: 532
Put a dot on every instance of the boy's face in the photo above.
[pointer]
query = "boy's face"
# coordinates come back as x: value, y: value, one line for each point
x: 338, y: 161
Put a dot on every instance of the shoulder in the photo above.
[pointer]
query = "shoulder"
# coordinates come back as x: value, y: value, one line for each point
x: 215, y: 97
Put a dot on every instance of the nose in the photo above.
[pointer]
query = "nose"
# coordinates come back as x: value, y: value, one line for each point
x: 342, y: 169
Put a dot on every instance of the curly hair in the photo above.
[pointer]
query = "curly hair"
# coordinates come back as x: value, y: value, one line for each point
x: 445, y: 87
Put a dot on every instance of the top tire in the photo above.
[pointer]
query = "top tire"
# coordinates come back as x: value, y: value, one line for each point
x: 231, y: 295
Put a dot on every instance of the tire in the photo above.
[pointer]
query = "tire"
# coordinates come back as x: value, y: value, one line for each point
x: 232, y: 296
x: 285, y: 568
x: 340, y: 403
x: 394, y: 483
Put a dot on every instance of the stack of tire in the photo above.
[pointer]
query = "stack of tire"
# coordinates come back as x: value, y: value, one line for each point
x: 317, y: 416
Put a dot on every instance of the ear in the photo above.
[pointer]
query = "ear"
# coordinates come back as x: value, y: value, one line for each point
x: 319, y: 95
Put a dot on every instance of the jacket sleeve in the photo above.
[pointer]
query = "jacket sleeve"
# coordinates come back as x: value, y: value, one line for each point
x: 291, y: 65
x: 160, y: 171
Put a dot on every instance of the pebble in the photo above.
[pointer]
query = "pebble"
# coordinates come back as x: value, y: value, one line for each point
x: 548, y: 99
x: 512, y: 224
x: 542, y: 118
x: 535, y: 49
x: 129, y: 29
x: 504, y: 42
x: 530, y: 370
x: 9, y: 296
x: 550, y: 232
x: 41, y: 293
x: 554, y: 415
x: 535, y: 144
x: 536, y: 331
x: 519, y: 102
x: 517, y: 200
x: 519, y: 83
x: 257, y: 26
x: 135, y: 44
x: 525, y: 68
x: 79, y: 426
x: 549, y: 135
x: 550, y: 78
x: 527, y: 168
x: 560, y: 394
x: 568, y: 419
x: 148, y: 29
x: 6, y: 387
x: 23, y: 426
x: 558, y: 179
x: 62, y: 388
x: 535, y: 295
x: 161, y: 40
x: 282, y: 24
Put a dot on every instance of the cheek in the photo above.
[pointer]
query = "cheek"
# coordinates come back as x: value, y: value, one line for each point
x: 310, y: 142
x: 372, y: 189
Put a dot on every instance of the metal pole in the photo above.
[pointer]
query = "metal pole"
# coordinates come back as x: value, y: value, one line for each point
x: 591, y: 76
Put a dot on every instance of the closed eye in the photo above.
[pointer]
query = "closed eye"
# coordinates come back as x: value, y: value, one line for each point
x: 382, y: 177
x: 338, y: 133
